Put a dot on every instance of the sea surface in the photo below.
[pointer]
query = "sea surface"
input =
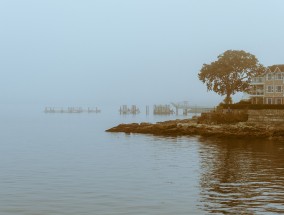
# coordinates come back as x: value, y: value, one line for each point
x: 66, y: 164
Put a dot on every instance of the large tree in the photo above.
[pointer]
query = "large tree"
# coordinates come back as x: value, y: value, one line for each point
x: 231, y: 73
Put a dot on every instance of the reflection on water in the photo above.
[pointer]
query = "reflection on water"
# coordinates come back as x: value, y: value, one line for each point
x: 242, y: 177
x: 67, y: 165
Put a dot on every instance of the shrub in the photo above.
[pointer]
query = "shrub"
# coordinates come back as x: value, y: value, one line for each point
x: 241, y: 106
x: 223, y: 117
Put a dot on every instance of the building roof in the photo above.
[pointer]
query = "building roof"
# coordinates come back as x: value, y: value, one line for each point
x: 274, y: 67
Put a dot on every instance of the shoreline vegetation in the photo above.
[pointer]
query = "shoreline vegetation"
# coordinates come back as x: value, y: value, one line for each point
x: 232, y: 125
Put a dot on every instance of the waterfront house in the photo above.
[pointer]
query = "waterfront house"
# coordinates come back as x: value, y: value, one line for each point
x: 269, y: 87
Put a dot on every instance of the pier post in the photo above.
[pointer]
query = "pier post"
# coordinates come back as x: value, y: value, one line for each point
x: 147, y: 110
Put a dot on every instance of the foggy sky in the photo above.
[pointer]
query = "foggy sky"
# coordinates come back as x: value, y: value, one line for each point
x: 61, y: 52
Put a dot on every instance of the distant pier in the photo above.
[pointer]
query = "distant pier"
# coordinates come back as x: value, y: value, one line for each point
x: 162, y: 110
x: 167, y: 109
x: 124, y: 109
x: 200, y: 109
x: 71, y: 110
x: 187, y: 108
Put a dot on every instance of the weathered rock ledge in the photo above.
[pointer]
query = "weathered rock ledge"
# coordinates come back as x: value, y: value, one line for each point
x: 192, y: 128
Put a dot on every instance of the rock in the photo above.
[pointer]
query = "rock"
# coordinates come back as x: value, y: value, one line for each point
x: 189, y: 127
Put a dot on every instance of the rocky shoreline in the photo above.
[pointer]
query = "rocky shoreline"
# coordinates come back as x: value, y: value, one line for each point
x: 192, y: 128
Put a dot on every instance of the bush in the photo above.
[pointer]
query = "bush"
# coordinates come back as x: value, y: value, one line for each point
x: 223, y: 117
x: 251, y: 106
x: 244, y: 102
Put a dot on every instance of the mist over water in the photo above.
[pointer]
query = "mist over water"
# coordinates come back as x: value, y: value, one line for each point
x: 67, y: 164
x: 108, y: 53
x: 113, y: 52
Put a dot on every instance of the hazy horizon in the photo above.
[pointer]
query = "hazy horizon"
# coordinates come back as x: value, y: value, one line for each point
x: 127, y: 52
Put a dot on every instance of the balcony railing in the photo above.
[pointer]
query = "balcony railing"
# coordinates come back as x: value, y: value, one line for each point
x: 257, y: 80
x: 256, y: 92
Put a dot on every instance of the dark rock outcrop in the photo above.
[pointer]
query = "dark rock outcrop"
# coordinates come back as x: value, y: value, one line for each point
x: 191, y: 128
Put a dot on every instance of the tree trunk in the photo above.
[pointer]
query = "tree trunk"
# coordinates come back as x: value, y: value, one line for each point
x: 228, y: 99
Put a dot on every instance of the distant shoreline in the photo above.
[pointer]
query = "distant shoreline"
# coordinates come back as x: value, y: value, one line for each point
x: 189, y: 127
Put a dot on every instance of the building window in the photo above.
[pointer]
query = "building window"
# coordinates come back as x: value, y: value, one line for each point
x: 269, y: 76
x: 257, y: 80
x: 269, y: 101
x: 270, y: 89
x: 278, y: 89
x: 279, y: 101
x: 278, y: 76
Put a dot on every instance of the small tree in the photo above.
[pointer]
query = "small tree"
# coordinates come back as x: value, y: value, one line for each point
x: 231, y: 73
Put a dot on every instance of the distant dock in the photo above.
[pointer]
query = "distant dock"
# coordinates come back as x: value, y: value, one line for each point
x: 162, y: 110
x: 196, y: 109
x: 71, y: 110
x: 129, y: 110
x: 167, y: 109
x: 187, y: 108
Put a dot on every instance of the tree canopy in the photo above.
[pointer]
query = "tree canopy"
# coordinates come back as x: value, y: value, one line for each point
x: 231, y: 73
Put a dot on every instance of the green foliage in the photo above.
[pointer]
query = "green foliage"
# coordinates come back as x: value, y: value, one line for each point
x: 221, y: 117
x: 231, y: 73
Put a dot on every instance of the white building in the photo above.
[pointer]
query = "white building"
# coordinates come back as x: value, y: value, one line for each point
x: 268, y: 88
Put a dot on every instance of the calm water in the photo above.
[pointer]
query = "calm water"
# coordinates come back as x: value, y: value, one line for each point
x: 66, y: 164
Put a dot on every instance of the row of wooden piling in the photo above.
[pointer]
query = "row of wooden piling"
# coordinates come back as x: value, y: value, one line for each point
x: 71, y: 110
x: 165, y: 109
x: 133, y: 109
